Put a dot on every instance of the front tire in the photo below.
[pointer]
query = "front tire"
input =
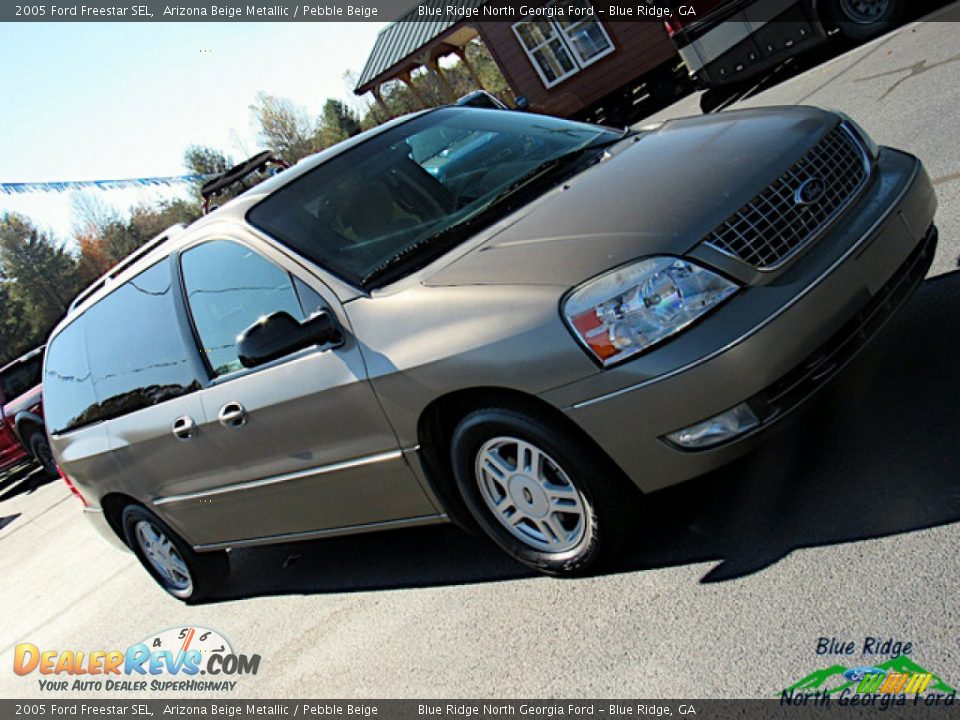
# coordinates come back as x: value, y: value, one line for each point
x: 187, y: 575
x: 539, y: 490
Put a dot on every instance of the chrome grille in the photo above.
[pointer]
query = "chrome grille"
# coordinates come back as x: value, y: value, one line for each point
x: 774, y: 225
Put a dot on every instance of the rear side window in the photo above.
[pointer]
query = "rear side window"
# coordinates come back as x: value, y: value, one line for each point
x: 131, y: 355
x: 67, y: 388
x: 230, y: 287
x: 137, y: 354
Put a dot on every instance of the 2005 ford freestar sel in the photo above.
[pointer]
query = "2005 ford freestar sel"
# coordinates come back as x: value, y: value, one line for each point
x: 508, y: 320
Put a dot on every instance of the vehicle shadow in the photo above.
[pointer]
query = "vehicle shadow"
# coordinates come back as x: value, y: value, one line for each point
x: 23, y: 479
x: 876, y: 454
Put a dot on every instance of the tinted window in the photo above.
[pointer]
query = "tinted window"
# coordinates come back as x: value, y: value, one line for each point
x: 21, y: 376
x: 67, y: 388
x: 137, y: 354
x: 123, y: 354
x: 230, y: 287
x: 413, y: 183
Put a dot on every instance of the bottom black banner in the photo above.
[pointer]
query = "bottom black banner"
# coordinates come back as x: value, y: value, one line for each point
x: 788, y: 706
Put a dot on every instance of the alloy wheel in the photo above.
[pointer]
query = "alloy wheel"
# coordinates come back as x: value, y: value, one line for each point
x: 163, y: 557
x: 531, y: 495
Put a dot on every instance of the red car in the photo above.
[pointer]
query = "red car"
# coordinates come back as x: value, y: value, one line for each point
x: 22, y: 434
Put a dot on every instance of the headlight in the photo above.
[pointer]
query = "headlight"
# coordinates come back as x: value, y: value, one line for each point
x: 868, y: 142
x: 626, y: 311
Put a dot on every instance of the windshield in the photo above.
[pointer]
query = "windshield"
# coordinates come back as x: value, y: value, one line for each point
x: 397, y: 192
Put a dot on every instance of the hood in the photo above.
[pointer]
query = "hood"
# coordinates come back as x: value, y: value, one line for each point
x: 662, y: 193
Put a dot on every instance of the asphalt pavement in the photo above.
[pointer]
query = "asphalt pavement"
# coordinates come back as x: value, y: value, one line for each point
x: 845, y: 525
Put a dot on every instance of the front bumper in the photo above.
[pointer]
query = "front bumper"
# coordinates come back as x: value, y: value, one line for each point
x: 773, y: 345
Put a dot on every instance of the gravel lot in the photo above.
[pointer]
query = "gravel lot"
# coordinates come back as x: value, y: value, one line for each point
x: 844, y: 525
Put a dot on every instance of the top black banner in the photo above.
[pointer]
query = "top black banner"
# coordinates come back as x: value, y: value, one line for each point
x: 374, y: 10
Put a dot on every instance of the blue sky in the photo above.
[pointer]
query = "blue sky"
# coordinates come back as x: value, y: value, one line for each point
x: 116, y: 100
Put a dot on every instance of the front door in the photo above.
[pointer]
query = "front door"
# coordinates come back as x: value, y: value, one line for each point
x: 301, y: 443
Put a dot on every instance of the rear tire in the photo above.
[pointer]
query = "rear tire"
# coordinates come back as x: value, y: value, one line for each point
x: 864, y: 19
x: 40, y: 449
x: 544, y: 494
x: 187, y: 575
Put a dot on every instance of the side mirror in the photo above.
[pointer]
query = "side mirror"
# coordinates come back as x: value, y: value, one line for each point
x: 280, y: 334
x: 522, y: 103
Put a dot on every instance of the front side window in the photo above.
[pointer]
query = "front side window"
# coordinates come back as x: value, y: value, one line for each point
x: 558, y: 48
x: 229, y: 287
x: 391, y: 203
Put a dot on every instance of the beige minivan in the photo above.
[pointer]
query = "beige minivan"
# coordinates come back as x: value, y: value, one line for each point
x: 515, y: 322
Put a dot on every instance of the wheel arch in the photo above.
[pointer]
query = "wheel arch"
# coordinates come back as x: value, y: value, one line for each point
x: 440, y: 418
x: 25, y: 424
x: 113, y: 505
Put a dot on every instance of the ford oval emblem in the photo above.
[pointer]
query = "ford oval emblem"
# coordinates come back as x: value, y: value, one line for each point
x: 810, y: 191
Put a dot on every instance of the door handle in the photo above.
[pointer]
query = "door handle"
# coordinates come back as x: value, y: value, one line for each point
x: 184, y: 428
x: 232, y: 415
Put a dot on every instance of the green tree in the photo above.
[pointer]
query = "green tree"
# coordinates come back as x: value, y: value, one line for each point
x: 204, y: 160
x: 44, y: 274
x: 337, y: 122
x: 121, y: 238
x: 15, y: 337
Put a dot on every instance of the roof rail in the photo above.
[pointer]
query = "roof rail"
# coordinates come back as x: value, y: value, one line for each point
x: 133, y: 257
x: 146, y: 249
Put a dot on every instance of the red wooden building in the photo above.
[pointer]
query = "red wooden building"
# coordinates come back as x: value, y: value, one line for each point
x: 583, y: 68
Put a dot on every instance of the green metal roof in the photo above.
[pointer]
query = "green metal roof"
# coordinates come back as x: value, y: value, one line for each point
x: 405, y: 37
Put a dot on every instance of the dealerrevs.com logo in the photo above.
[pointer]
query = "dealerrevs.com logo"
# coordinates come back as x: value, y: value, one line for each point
x: 188, y: 659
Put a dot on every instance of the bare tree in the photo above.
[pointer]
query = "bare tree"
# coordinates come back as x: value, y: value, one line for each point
x: 285, y: 127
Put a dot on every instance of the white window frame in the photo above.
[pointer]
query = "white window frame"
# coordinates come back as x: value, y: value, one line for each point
x: 573, y: 48
x: 558, y: 35
x: 561, y: 34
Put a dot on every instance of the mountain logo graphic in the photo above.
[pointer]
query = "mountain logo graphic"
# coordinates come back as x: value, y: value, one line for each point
x: 897, y: 675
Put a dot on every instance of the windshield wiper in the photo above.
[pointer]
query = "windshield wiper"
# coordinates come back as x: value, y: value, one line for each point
x: 439, y: 241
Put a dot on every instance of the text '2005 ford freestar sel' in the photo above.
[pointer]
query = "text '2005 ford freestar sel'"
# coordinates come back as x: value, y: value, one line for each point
x: 504, y: 319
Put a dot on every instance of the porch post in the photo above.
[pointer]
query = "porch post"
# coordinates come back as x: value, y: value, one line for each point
x: 432, y: 65
x: 462, y: 54
x: 405, y: 78
x: 379, y: 98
